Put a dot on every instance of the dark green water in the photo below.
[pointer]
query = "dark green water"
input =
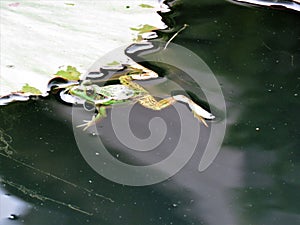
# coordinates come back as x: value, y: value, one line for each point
x: 255, y: 55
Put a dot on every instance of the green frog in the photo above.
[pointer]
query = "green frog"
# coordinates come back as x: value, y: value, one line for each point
x: 128, y: 91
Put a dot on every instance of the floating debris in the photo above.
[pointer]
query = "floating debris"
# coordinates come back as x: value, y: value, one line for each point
x: 146, y: 6
x: 69, y: 4
x: 114, y: 63
x: 30, y: 90
x: 70, y: 73
x: 144, y: 28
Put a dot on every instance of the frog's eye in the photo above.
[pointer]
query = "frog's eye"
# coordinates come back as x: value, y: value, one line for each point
x: 90, y: 91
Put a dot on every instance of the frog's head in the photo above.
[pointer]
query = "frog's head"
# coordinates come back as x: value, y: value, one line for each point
x: 77, y: 90
x: 83, y: 91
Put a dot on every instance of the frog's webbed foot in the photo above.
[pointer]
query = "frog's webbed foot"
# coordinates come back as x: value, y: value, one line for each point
x: 200, y: 113
x: 88, y: 123
x: 200, y: 118
x: 96, y: 118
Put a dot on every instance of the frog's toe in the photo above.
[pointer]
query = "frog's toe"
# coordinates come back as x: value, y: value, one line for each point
x: 86, y: 125
x: 200, y: 118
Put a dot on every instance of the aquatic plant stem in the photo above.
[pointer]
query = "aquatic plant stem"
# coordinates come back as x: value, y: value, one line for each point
x: 181, y: 29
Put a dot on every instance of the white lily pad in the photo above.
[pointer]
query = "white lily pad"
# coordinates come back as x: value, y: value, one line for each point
x: 38, y: 37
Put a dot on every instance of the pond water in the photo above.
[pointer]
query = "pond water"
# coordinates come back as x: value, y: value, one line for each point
x: 255, y: 55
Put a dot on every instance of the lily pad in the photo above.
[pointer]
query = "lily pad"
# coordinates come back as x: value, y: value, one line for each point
x: 63, y: 34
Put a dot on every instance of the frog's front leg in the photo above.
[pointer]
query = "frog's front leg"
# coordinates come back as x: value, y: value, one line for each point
x: 96, y: 118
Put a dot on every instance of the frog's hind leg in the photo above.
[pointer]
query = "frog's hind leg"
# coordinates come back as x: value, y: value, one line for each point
x: 150, y: 102
x: 96, y: 118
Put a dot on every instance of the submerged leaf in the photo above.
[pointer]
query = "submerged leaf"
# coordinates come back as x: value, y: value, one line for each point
x: 70, y: 73
x: 29, y: 89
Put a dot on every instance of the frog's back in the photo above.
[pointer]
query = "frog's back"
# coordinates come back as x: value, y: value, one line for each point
x: 117, y: 92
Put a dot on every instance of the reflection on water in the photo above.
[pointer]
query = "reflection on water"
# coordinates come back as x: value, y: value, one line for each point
x: 11, y: 208
x: 254, y: 54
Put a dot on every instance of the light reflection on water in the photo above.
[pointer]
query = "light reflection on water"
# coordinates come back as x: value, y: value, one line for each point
x: 12, y: 208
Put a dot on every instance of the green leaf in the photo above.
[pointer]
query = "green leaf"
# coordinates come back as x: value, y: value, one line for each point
x: 144, y: 29
x: 29, y: 89
x: 70, y: 73
x: 146, y: 6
